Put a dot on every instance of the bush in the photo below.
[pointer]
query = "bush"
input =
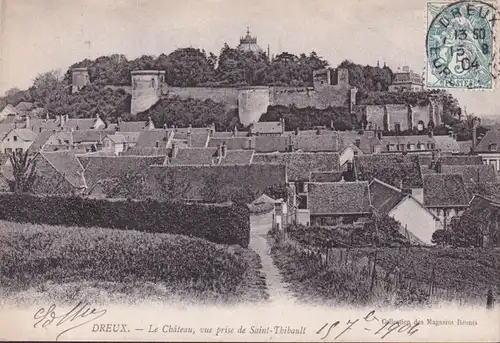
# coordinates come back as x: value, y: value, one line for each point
x: 224, y: 224
x: 36, y: 254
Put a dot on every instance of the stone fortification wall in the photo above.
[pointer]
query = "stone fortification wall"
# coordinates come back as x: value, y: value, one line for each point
x: 375, y: 116
x: 421, y: 113
x: 309, y: 97
x: 398, y: 114
x: 226, y: 95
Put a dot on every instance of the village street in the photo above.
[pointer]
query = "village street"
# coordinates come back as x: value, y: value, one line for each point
x: 277, y: 288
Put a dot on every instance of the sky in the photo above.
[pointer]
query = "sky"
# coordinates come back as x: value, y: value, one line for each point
x: 40, y: 35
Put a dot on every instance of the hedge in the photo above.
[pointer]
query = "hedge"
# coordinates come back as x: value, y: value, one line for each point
x: 223, y: 224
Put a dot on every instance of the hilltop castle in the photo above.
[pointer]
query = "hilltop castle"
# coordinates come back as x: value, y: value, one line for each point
x: 330, y: 88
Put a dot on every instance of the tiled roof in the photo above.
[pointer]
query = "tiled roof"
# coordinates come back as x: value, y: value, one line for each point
x: 391, y: 169
x: 124, y: 137
x: 238, y: 157
x: 267, y: 127
x: 150, y: 138
x: 447, y: 144
x: 132, y: 126
x: 68, y: 165
x: 146, y: 152
x: 199, y: 138
x: 491, y: 137
x: 300, y: 164
x: 333, y: 176
x: 25, y: 134
x: 445, y: 190
x: 232, y: 143
x: 8, y: 109
x: 195, y: 156
x: 414, y: 140
x: 218, y: 183
x: 229, y: 134
x: 81, y: 124
x: 367, y: 143
x: 39, y: 125
x: 384, y: 197
x: 269, y: 143
x: 338, y: 198
x: 105, y: 168
x: 5, y: 128
x: 80, y: 136
x: 24, y: 106
x: 315, y: 143
x: 465, y: 146
x: 472, y: 173
x: 40, y: 140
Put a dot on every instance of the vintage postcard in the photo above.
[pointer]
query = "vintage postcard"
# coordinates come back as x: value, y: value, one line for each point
x: 231, y: 170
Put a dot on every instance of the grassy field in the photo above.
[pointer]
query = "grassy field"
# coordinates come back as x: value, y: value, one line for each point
x: 461, y: 276
x: 67, y: 264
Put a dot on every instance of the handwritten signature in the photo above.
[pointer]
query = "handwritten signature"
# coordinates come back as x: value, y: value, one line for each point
x: 82, y: 311
x: 383, y: 330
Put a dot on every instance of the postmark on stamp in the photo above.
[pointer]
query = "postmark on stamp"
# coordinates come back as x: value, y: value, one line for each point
x: 460, y: 44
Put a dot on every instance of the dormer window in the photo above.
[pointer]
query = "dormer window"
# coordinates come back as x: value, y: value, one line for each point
x: 493, y: 147
x: 391, y: 147
x: 15, y: 138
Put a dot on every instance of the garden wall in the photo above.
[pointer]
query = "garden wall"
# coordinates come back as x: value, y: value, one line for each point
x: 224, y: 224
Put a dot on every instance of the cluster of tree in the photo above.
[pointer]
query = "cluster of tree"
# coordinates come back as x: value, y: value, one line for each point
x: 185, y: 112
x: 309, y: 118
x: 368, y: 78
x: 382, y: 230
x: 190, y: 67
x: 470, y: 230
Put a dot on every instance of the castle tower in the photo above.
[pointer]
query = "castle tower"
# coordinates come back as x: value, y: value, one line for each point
x: 252, y: 103
x: 322, y: 78
x: 146, y: 89
x: 79, y: 79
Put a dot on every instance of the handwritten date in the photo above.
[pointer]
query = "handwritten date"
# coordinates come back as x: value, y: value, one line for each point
x: 383, y: 330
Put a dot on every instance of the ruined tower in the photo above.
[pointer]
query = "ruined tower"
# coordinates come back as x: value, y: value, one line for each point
x: 252, y: 103
x: 146, y: 89
x: 79, y: 79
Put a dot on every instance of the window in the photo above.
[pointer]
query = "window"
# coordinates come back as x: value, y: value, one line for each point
x: 411, y: 146
x: 493, y: 147
x: 391, y: 147
x: 8, y: 151
x: 397, y: 127
x: 19, y: 150
x: 15, y: 138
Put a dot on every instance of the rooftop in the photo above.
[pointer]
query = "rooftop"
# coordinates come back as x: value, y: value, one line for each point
x: 338, y: 198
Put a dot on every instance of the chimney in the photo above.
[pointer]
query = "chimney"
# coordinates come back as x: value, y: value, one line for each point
x: 235, y: 131
x: 251, y: 143
x: 66, y: 118
x: 438, y: 167
x: 290, y: 144
x: 175, y: 149
x: 151, y: 125
x: 318, y: 131
x: 28, y: 122
x: 431, y: 133
x: 119, y: 123
x: 282, y: 122
x: 474, y: 136
x: 189, y: 138
x: 219, y: 151
x: 61, y: 120
x: 223, y: 150
x: 212, y: 128
x: 357, y: 142
x: 297, y: 130
x: 331, y: 124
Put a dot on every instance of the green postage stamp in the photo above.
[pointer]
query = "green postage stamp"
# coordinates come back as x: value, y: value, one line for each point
x: 460, y: 44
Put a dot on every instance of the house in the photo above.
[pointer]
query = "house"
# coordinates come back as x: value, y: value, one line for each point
x: 155, y: 138
x: 40, y: 141
x: 400, y: 144
x: 76, y: 124
x: 17, y: 140
x: 102, y: 171
x: 8, y: 110
x: 272, y: 128
x: 232, y: 143
x: 415, y: 219
x: 486, y: 212
x: 400, y: 171
x: 314, y: 143
x: 24, y: 107
x: 209, y: 156
x: 213, y: 183
x: 193, y: 138
x: 37, y: 125
x: 329, y: 202
x: 120, y: 141
x: 135, y: 126
x: 445, y: 195
x: 465, y: 147
x: 447, y: 144
x: 59, y: 172
x: 488, y: 148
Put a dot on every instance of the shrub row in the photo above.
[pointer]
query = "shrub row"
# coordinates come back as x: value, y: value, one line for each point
x: 33, y: 254
x: 224, y: 224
